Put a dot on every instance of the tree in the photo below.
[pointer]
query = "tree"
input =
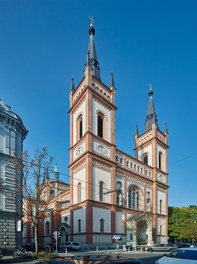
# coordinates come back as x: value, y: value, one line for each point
x: 179, y: 221
x: 35, y: 173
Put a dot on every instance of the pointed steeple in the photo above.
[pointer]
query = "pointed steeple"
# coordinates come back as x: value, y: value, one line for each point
x: 151, y: 117
x: 166, y: 129
x: 72, y: 87
x: 91, y: 58
x: 56, y: 172
x: 136, y: 131
x: 112, y: 85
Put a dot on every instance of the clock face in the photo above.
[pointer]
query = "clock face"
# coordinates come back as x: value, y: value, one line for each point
x: 101, y: 149
x: 78, y: 152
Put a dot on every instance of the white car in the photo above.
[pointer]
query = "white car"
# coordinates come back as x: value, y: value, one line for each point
x: 179, y: 256
x: 66, y: 245
x: 76, y: 245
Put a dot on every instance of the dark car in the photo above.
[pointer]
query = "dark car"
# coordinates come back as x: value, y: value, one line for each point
x: 161, y: 248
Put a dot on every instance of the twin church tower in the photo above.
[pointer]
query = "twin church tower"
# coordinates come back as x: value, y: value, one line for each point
x: 113, y: 194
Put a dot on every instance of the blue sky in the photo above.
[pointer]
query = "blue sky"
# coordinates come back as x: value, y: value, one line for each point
x: 43, y: 44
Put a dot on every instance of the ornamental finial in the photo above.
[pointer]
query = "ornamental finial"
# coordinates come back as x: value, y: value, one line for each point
x: 91, y: 20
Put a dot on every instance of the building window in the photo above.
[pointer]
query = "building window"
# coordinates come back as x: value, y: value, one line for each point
x: 47, y: 228
x: 100, y: 121
x: 79, y: 226
x: 160, y: 230
x: 160, y: 206
x: 133, y: 198
x: 102, y: 225
x: 65, y: 219
x: 79, y: 127
x: 160, y: 160
x: 145, y: 159
x: 101, y: 185
x: 79, y: 192
x: 52, y: 194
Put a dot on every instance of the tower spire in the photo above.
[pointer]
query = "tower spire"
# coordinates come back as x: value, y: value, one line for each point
x: 91, y: 58
x: 151, y: 117
x: 72, y: 87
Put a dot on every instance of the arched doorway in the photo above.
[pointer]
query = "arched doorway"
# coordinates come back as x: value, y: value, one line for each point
x: 64, y: 232
x: 142, y: 237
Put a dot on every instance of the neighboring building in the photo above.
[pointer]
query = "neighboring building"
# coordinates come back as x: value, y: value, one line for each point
x: 12, y: 134
x: 111, y: 194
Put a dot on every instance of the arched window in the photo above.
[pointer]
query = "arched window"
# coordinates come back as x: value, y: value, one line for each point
x: 52, y: 194
x: 102, y: 225
x: 160, y: 206
x: 79, y: 127
x: 101, y: 185
x: 47, y: 228
x: 79, y: 192
x: 160, y: 160
x: 100, y: 121
x: 133, y: 198
x: 145, y: 158
x: 79, y: 225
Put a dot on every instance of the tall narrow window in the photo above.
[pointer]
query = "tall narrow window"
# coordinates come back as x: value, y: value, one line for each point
x: 160, y: 206
x: 47, y: 228
x: 79, y: 192
x: 160, y: 230
x: 160, y: 160
x: 100, y: 125
x: 133, y: 198
x: 79, y: 226
x: 80, y: 127
x: 102, y: 225
x: 101, y: 185
x: 146, y: 159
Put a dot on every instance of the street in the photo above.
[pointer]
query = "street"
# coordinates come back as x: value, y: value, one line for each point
x: 145, y: 257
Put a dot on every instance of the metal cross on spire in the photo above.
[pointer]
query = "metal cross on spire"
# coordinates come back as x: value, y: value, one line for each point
x: 91, y: 20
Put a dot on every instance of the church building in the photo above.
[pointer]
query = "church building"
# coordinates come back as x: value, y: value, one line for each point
x: 112, y: 195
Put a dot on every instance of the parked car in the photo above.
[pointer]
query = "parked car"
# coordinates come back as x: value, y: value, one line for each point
x: 66, y: 245
x: 193, y: 245
x: 70, y: 245
x: 22, y: 253
x: 76, y: 245
x: 161, y: 248
x: 180, y: 256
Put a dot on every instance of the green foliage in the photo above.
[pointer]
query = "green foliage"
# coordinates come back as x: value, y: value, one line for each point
x: 183, y: 223
x: 44, y: 255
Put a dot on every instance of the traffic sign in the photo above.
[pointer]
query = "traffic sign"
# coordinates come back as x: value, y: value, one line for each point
x: 56, y: 234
